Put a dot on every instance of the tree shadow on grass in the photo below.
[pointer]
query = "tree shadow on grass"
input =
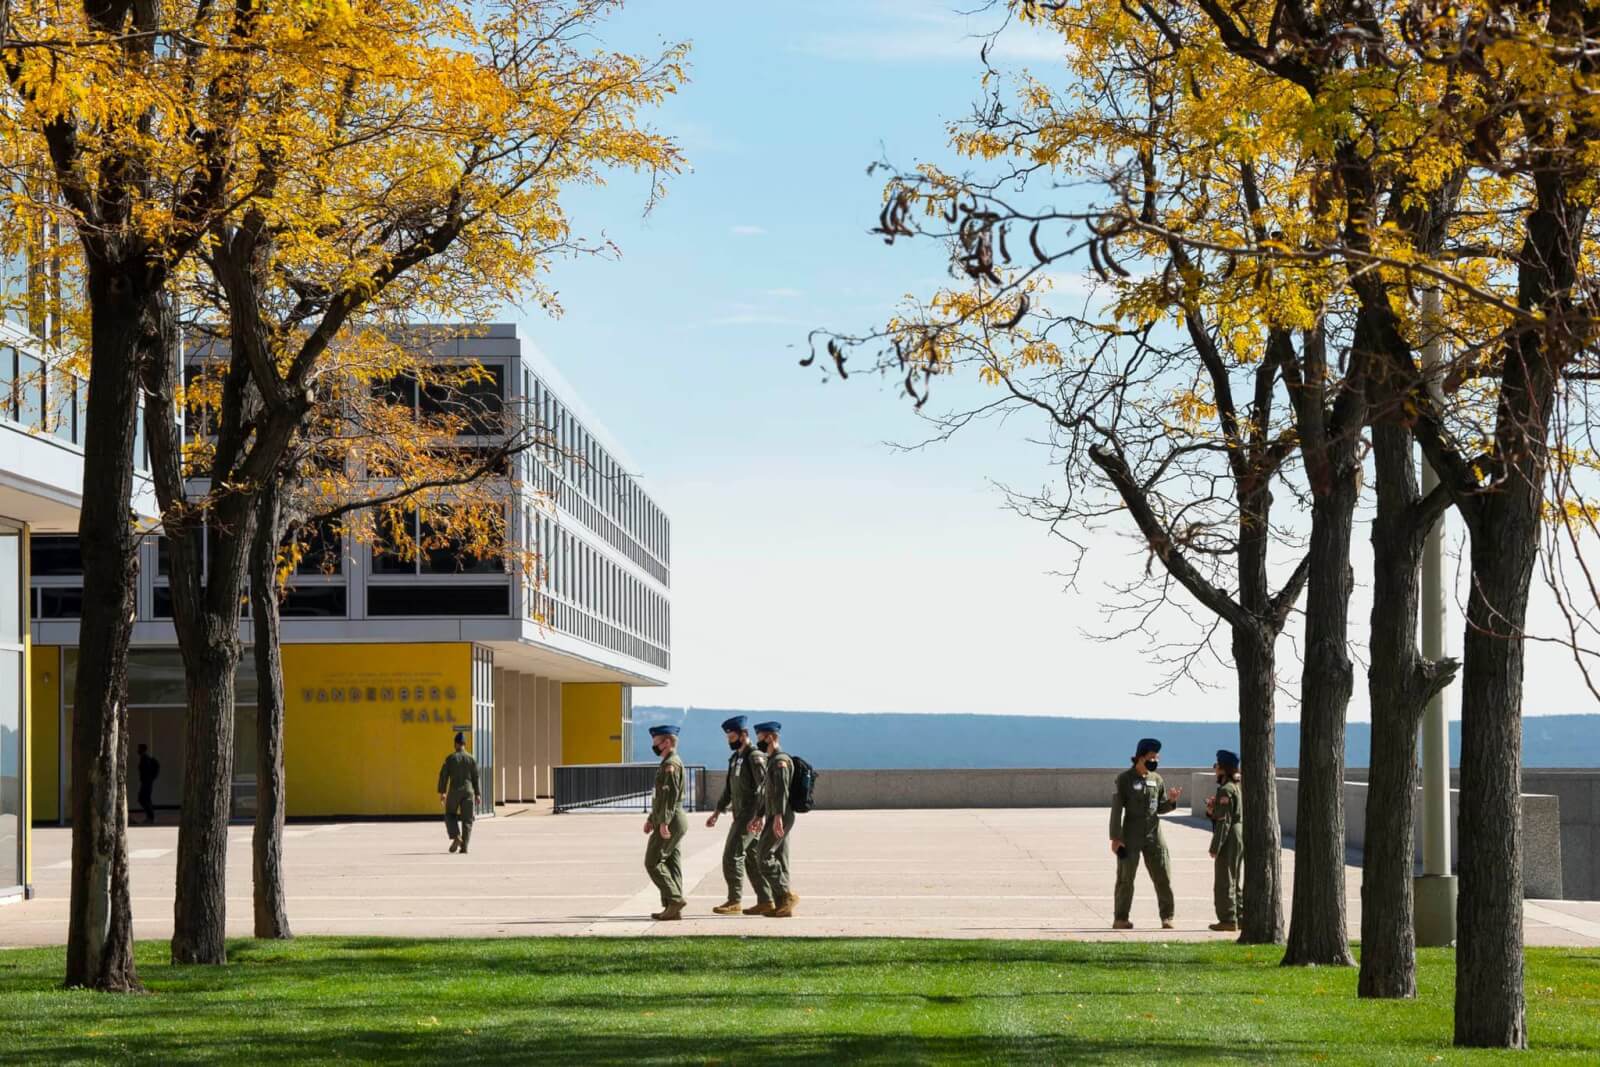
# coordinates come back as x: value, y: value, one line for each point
x: 508, y: 1046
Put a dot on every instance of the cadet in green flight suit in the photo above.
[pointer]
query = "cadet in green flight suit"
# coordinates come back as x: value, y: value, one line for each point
x: 667, y: 825
x: 1227, y: 840
x: 458, y: 792
x: 1136, y: 832
x: 741, y: 793
x: 774, y: 823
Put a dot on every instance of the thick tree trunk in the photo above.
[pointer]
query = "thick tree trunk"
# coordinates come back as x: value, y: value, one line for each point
x: 1490, y: 1008
x: 199, y: 917
x: 1399, y: 683
x: 271, y: 912
x: 1388, y: 933
x: 100, y: 924
x: 1253, y: 657
x: 1317, y: 919
x: 206, y: 598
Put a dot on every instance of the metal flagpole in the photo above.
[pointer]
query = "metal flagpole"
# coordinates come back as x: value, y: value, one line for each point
x: 1436, y: 888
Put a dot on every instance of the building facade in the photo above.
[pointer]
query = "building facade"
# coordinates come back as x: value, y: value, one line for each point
x: 385, y: 656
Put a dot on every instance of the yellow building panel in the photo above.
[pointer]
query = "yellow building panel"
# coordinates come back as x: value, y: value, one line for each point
x: 44, y: 732
x: 591, y: 722
x: 367, y: 726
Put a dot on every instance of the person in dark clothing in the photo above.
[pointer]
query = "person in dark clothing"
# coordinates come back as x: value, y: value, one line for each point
x: 149, y: 770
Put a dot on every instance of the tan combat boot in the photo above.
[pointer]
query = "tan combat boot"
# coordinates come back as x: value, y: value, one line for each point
x: 730, y: 907
x: 671, y: 912
x: 787, y: 909
x: 761, y: 907
x: 1166, y: 924
x: 1224, y: 928
x: 1122, y: 924
x: 455, y: 844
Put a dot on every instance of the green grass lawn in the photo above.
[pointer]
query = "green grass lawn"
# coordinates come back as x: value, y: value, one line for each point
x: 761, y: 1001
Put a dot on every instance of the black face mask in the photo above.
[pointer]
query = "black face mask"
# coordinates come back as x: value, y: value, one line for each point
x: 764, y: 745
x: 1152, y: 765
x: 655, y: 748
x: 735, y: 745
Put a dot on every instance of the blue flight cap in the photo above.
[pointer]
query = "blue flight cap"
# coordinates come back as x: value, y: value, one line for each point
x: 461, y: 738
x: 735, y: 724
x: 1146, y: 744
x: 773, y: 727
x: 1228, y: 761
x: 666, y: 729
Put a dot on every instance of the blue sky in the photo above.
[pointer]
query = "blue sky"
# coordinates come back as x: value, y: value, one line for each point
x: 813, y: 565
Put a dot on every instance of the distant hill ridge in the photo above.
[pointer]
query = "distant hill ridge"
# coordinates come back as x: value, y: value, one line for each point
x: 917, y: 741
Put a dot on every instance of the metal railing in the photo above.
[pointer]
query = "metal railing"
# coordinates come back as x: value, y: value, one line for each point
x: 620, y: 787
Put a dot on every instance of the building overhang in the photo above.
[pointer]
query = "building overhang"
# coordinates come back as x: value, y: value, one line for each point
x: 41, y: 482
x: 517, y: 645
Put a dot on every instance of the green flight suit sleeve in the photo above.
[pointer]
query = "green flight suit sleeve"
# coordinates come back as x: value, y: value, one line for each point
x: 669, y: 791
x: 444, y: 775
x: 779, y: 774
x: 1166, y: 803
x: 1219, y: 817
x: 1116, y: 810
x: 472, y: 766
x: 758, y: 775
x: 727, y: 791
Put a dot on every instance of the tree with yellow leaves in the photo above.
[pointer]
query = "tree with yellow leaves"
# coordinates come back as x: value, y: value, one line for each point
x: 1401, y: 150
x: 339, y: 166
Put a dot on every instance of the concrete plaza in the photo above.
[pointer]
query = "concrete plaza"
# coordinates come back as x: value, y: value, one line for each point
x: 1001, y: 873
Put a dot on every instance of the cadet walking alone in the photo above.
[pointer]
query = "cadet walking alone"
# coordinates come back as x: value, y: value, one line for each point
x: 458, y: 792
x: 774, y: 824
x: 741, y: 793
x: 1227, y: 840
x: 149, y: 770
x: 1136, y: 831
x: 667, y: 825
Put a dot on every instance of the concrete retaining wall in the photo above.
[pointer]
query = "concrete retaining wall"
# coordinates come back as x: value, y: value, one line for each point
x: 1541, y: 827
x: 1561, y: 813
x: 1026, y: 788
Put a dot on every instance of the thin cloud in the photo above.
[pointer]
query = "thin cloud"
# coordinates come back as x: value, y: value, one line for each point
x: 749, y: 231
x: 783, y: 294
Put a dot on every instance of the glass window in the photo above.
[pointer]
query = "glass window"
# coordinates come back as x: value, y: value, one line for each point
x: 432, y: 599
x: 392, y: 531
x: 322, y: 549
x: 30, y: 390
x: 315, y: 602
x: 475, y: 395
x: 60, y: 602
x: 54, y: 555
x: 448, y: 555
x: 11, y: 759
x: 10, y: 587
x: 63, y: 405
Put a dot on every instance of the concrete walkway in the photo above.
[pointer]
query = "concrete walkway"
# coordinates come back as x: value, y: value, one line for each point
x: 1028, y: 873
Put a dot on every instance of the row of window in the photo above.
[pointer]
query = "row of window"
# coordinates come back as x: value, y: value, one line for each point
x: 574, y: 469
x: 575, y: 504
x: 578, y: 573
x: 610, y: 605
x: 52, y: 400
x: 585, y: 464
x: 582, y: 625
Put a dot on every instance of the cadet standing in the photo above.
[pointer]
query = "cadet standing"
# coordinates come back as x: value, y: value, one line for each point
x: 667, y: 824
x: 774, y: 823
x: 1136, y: 831
x: 1227, y: 840
x: 747, y: 772
x: 458, y: 792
